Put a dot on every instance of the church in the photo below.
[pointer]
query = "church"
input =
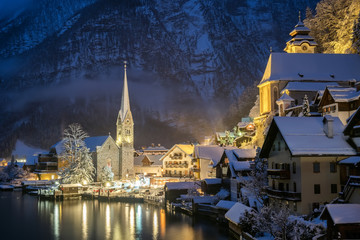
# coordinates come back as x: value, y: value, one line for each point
x: 299, y: 71
x: 105, y: 151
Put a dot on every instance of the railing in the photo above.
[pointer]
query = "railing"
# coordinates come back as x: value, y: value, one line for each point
x: 283, y: 194
x: 353, y: 181
x: 279, y: 173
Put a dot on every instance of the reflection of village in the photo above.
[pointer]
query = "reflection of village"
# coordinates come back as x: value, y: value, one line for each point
x: 308, y: 131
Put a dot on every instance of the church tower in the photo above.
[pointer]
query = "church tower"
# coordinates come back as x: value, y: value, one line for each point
x: 125, y: 133
x: 301, y: 41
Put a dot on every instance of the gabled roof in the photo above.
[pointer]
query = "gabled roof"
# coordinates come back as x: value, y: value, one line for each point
x: 211, y: 152
x: 188, y: 149
x: 236, y: 212
x: 352, y: 121
x: 342, y: 213
x: 154, y: 159
x: 244, y: 153
x: 285, y: 97
x: 342, y: 94
x: 305, y: 136
x: 312, y: 67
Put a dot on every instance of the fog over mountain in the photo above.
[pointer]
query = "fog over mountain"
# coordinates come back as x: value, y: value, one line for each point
x: 62, y: 62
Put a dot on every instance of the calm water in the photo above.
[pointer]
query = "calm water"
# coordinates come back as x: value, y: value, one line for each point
x: 25, y: 217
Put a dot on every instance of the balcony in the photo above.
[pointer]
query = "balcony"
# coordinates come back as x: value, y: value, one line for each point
x: 292, y: 196
x: 279, y: 173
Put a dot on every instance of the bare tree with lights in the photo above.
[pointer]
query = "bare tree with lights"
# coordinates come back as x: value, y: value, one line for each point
x: 79, y: 167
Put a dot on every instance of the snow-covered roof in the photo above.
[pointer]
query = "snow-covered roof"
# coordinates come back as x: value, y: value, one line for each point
x: 223, y: 134
x: 212, y: 152
x: 241, y: 166
x: 90, y: 142
x: 312, y: 67
x: 225, y: 204
x: 155, y: 148
x: 154, y: 159
x: 230, y: 155
x: 182, y: 185
x: 306, y: 136
x: 212, y: 180
x: 343, y: 213
x: 238, y: 210
x: 93, y: 142
x: 308, y: 86
x: 351, y: 160
x: 343, y: 94
x: 285, y: 97
x: 244, y: 153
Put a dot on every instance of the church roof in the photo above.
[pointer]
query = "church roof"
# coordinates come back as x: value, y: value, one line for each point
x: 308, y: 86
x: 312, y: 67
x: 90, y: 142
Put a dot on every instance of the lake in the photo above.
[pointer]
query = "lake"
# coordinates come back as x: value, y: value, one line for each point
x: 25, y: 217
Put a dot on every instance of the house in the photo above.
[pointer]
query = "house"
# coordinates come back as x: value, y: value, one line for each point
x: 234, y: 215
x: 104, y: 152
x: 342, y: 220
x: 154, y: 150
x: 211, y: 185
x: 302, y: 154
x: 339, y: 102
x: 178, y: 161
x: 173, y: 190
x: 46, y: 166
x: 149, y: 165
x: 205, y: 157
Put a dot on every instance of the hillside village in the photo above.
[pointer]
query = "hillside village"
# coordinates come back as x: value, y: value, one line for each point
x: 299, y: 156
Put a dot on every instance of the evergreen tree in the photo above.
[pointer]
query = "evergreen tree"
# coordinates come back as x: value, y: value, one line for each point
x: 106, y: 174
x: 78, y: 162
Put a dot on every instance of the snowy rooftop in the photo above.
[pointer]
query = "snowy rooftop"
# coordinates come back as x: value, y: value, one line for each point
x: 241, y: 166
x: 21, y: 149
x: 212, y: 180
x: 343, y: 213
x: 212, y: 152
x: 312, y: 67
x: 182, y: 185
x: 155, y: 148
x: 93, y: 142
x: 285, y: 97
x: 308, y: 86
x: 343, y: 94
x: 238, y: 210
x: 351, y: 160
x: 306, y: 136
x: 225, y: 204
x: 245, y: 153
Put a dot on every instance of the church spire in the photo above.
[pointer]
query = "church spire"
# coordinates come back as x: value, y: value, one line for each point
x: 125, y: 102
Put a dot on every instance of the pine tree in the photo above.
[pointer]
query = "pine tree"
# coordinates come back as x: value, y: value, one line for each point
x: 106, y: 174
x: 79, y: 166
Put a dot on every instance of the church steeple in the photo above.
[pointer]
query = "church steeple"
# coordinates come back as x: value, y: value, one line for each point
x: 301, y: 41
x: 125, y: 102
x: 125, y: 133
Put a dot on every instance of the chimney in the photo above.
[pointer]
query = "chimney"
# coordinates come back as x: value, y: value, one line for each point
x: 329, y: 126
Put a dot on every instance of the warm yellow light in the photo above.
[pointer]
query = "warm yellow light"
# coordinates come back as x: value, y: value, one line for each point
x: 107, y: 184
x: 84, y: 182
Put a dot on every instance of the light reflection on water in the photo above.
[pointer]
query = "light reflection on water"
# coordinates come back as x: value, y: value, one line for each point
x: 87, y: 219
